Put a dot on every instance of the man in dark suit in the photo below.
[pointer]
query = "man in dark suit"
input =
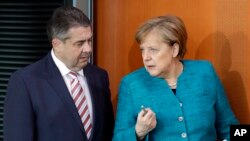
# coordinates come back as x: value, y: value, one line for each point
x: 45, y: 103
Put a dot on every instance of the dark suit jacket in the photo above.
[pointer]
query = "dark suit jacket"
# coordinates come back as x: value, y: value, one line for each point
x: 38, y: 106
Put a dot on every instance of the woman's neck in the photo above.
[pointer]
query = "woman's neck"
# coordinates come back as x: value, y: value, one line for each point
x: 175, y: 72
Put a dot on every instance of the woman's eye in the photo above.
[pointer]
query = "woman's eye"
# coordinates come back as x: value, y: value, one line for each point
x: 141, y: 49
x: 153, y: 49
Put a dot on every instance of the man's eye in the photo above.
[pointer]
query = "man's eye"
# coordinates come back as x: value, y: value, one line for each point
x: 79, y: 44
x: 90, y: 40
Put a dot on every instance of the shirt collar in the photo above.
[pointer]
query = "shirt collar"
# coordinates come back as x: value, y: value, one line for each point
x: 64, y: 70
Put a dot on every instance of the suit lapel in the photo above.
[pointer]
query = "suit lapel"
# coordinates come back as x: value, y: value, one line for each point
x: 90, y: 76
x: 56, y: 81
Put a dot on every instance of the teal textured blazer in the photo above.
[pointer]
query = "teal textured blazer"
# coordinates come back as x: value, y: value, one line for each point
x: 198, y: 112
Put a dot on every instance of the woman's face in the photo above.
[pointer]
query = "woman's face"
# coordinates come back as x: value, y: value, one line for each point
x: 158, y: 57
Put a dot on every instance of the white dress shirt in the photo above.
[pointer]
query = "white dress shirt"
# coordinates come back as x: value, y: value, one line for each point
x: 64, y: 70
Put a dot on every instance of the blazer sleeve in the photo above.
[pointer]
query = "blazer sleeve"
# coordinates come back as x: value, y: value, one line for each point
x: 125, y: 120
x: 18, y: 111
x: 224, y: 115
x: 110, y: 113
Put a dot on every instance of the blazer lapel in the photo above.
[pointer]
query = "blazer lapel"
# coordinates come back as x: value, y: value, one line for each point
x: 94, y: 95
x: 56, y: 81
x: 185, y: 83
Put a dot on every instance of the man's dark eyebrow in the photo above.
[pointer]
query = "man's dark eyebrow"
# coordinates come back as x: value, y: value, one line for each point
x: 82, y: 41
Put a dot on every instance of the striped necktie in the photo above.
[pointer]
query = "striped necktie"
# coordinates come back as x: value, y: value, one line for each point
x: 79, y: 98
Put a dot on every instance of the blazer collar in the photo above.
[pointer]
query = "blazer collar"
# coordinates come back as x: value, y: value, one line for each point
x: 56, y: 81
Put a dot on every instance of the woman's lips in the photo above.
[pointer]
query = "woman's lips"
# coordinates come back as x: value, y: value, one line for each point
x: 150, y: 67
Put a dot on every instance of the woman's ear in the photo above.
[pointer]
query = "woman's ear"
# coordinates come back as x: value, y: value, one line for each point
x: 176, y: 48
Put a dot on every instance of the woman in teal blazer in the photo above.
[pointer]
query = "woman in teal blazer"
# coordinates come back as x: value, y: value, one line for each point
x: 184, y: 99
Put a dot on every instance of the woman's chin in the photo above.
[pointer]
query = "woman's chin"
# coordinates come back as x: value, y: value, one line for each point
x: 153, y: 73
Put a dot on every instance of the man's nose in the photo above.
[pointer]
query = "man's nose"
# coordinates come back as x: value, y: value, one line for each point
x: 87, y: 47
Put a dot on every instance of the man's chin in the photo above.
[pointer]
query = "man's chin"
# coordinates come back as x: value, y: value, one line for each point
x: 84, y: 64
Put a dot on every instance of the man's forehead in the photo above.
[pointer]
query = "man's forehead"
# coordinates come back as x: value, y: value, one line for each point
x: 82, y: 33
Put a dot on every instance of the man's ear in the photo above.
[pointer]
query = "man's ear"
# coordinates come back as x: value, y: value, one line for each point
x: 56, y: 43
x: 176, y: 48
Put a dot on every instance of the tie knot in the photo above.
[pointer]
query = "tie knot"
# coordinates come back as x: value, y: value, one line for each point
x: 72, y: 75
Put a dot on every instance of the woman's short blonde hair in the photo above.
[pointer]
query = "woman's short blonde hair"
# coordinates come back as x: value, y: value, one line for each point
x: 171, y: 29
